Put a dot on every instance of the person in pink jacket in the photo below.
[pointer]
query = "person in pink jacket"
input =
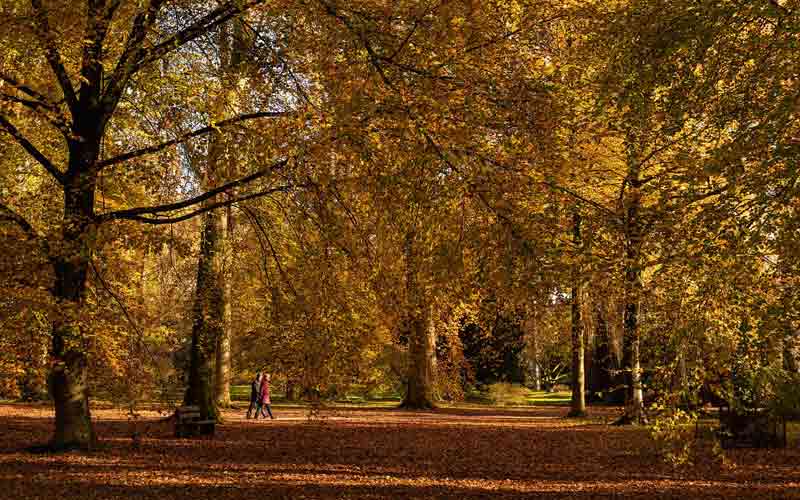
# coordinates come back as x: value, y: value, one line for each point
x: 264, y: 400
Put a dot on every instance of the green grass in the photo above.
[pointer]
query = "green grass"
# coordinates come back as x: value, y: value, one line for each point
x: 504, y: 394
x: 501, y: 394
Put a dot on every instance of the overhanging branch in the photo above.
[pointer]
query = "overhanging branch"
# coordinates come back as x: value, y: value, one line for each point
x: 185, y: 137
x: 213, y: 206
x: 139, y: 212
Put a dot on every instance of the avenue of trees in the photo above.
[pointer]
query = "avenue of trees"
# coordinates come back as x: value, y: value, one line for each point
x: 399, y: 195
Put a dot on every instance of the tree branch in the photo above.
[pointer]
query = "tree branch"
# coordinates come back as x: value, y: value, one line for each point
x: 40, y: 108
x: 28, y: 90
x: 125, y: 67
x: 189, y: 135
x: 7, y: 214
x: 221, y: 14
x: 213, y: 206
x: 31, y: 149
x: 136, y: 213
x: 98, y: 20
x: 52, y: 54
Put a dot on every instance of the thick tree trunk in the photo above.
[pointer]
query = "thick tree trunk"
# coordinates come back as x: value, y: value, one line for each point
x: 208, y: 318
x: 578, y: 401
x: 421, y: 344
x: 68, y: 379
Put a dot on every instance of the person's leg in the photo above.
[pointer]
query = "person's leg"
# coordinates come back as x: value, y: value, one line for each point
x: 264, y: 406
x: 269, y: 410
x: 258, y: 410
x: 251, y: 407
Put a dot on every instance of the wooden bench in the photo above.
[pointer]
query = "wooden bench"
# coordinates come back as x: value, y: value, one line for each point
x: 188, y: 422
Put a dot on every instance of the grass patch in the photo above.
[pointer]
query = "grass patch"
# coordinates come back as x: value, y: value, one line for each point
x: 505, y: 394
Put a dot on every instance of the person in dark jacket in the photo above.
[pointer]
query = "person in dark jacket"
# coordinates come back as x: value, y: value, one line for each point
x: 264, y: 400
x: 255, y: 395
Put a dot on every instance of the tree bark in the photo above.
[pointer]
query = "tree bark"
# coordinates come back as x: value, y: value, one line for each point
x: 68, y: 379
x: 634, y: 401
x: 208, y: 318
x: 578, y: 401
x: 222, y: 390
x: 421, y: 345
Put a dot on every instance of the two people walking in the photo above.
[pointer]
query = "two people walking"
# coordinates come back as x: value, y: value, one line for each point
x: 259, y: 396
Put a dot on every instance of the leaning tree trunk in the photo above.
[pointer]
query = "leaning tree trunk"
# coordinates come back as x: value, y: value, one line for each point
x: 578, y: 402
x: 421, y: 345
x: 68, y: 379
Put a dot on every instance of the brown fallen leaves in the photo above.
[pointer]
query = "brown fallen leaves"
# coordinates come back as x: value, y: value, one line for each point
x: 377, y: 453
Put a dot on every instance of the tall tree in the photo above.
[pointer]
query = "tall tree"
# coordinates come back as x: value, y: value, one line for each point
x: 79, y: 101
x: 578, y: 401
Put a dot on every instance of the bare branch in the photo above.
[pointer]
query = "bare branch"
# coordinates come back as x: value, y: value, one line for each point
x: 136, y: 213
x: 189, y: 135
x: 31, y: 149
x: 52, y: 54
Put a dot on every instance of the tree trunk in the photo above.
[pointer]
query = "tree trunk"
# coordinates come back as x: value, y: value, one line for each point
x: 291, y: 390
x: 578, y: 402
x: 537, y: 369
x: 234, y: 48
x: 68, y: 379
x: 223, y: 361
x: 634, y: 403
x: 208, y: 318
x: 421, y: 345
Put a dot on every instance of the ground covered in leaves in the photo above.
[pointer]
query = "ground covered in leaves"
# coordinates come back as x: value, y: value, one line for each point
x: 378, y: 453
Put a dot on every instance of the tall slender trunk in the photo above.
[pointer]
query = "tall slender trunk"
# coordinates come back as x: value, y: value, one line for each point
x: 634, y: 401
x: 234, y: 47
x: 222, y: 376
x: 421, y: 345
x: 578, y: 402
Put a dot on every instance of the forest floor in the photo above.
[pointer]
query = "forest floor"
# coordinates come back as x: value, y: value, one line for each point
x: 379, y: 453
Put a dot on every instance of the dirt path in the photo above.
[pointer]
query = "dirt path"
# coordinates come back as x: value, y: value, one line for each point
x: 377, y: 453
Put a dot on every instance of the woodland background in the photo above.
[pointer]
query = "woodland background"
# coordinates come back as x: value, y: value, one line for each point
x: 409, y: 198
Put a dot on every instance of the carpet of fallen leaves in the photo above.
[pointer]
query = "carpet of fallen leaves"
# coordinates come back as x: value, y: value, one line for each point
x: 377, y: 453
